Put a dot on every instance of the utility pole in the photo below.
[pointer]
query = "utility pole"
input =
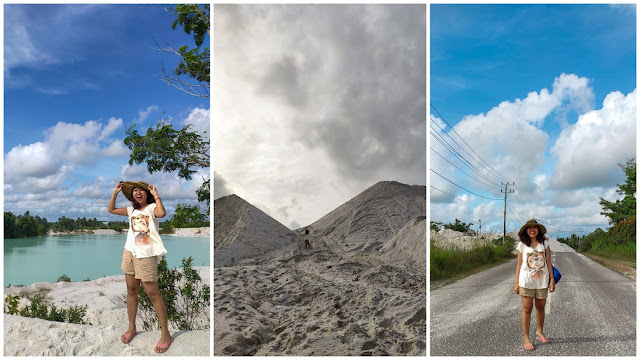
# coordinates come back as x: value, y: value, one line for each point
x: 504, y: 223
x: 579, y: 238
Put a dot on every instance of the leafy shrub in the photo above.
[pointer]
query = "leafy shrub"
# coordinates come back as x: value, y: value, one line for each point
x: 64, y: 278
x: 184, y: 295
x: 459, y: 226
x: 39, y: 308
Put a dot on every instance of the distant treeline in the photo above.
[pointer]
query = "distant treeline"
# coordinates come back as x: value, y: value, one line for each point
x: 27, y: 225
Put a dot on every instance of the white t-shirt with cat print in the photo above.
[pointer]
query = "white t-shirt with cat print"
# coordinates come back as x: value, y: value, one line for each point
x: 533, y: 272
x: 143, y: 238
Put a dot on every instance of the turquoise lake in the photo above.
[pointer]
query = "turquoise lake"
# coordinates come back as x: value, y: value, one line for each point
x: 46, y: 258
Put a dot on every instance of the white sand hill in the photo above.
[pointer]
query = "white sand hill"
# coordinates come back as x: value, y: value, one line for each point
x: 108, y: 317
x: 349, y: 295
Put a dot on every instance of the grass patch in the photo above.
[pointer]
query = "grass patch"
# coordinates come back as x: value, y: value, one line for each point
x: 614, y: 256
x: 448, y: 265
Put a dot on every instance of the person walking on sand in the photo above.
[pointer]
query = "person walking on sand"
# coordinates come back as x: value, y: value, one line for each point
x: 143, y: 251
x: 307, y: 244
x: 534, y: 278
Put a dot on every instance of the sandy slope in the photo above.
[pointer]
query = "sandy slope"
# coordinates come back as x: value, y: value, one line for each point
x: 373, y: 216
x: 243, y: 231
x: 343, y: 297
x: 107, y: 314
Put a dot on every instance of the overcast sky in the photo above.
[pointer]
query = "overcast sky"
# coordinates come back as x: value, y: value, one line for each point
x: 75, y: 78
x: 546, y: 95
x: 316, y: 103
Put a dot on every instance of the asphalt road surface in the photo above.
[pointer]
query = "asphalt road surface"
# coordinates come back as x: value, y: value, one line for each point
x: 593, y: 312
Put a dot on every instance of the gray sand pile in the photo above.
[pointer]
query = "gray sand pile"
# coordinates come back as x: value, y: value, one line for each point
x: 244, y: 232
x: 373, y: 216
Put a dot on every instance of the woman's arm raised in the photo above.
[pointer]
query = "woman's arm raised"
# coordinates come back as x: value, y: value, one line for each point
x: 112, y: 203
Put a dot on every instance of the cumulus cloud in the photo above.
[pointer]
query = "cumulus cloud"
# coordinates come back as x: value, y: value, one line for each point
x: 587, y: 152
x: 511, y: 138
x: 200, y: 121
x: 36, y: 159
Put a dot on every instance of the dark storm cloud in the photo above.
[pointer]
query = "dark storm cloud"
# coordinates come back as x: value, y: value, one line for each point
x: 355, y: 77
x: 220, y: 188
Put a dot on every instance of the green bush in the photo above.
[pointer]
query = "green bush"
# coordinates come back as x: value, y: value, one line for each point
x: 184, y: 295
x: 39, y: 308
x: 64, y: 278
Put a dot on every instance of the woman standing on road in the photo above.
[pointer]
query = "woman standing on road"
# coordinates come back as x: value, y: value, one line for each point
x: 142, y: 253
x: 534, y: 279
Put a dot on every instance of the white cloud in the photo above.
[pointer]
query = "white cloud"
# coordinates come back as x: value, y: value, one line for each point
x: 144, y: 114
x: 200, y: 120
x: 116, y: 149
x: 510, y: 135
x: 36, y: 159
x: 587, y: 152
x: 113, y: 125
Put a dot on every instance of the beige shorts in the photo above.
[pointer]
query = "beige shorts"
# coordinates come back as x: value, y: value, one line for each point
x: 537, y: 293
x: 145, y: 269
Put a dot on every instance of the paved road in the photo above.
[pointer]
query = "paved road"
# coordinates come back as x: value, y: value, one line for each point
x: 593, y: 312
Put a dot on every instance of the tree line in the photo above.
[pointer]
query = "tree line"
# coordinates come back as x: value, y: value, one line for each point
x: 26, y: 225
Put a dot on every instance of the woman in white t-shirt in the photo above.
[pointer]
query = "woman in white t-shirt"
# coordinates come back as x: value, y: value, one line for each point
x: 143, y: 251
x: 533, y: 277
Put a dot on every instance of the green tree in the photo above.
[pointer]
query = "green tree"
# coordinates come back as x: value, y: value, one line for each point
x: 166, y: 149
x: 195, y: 62
x: 188, y: 216
x: 10, y: 225
x: 624, y: 208
x: 459, y: 226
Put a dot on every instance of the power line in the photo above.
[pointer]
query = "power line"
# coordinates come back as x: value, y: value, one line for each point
x: 461, y: 199
x: 459, y: 156
x: 452, y: 129
x: 447, y: 160
x: 462, y: 187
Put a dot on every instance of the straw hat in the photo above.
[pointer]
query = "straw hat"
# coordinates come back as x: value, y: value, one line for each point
x: 127, y: 190
x: 532, y: 222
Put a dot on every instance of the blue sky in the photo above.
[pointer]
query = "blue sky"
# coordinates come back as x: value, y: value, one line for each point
x: 546, y: 95
x: 75, y: 78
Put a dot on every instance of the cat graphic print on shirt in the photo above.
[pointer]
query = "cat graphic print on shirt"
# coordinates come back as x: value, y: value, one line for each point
x: 533, y: 272
x: 143, y: 238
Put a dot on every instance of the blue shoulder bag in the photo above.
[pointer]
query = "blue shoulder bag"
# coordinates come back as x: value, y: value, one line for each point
x: 556, y: 274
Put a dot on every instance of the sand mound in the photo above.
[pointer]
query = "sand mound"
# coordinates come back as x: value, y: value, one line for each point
x: 409, y: 245
x: 245, y: 233
x: 108, y: 317
x: 373, y: 217
x: 342, y: 297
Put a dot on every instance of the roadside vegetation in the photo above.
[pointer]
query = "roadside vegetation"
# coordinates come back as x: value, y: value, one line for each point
x: 448, y: 265
x: 618, y: 243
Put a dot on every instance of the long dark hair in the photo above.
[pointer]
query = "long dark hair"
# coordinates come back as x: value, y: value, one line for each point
x: 527, y: 240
